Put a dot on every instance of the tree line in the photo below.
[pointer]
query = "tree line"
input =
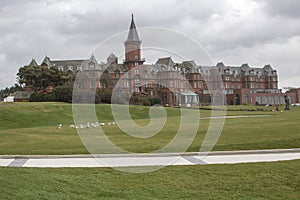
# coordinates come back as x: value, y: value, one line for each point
x: 9, y: 91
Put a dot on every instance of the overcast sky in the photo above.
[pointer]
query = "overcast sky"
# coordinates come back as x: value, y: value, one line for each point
x: 256, y: 32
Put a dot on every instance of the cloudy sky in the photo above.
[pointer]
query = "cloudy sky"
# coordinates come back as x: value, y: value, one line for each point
x: 256, y: 32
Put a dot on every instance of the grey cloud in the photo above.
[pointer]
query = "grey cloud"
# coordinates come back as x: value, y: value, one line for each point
x: 71, y: 29
x: 286, y: 8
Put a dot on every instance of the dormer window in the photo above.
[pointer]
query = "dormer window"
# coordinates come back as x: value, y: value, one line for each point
x: 92, y: 66
x: 79, y: 68
x: 60, y: 68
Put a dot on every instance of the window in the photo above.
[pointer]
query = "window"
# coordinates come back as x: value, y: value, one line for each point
x: 227, y: 85
x: 136, y: 89
x: 92, y: 84
x: 200, y: 85
x: 70, y: 68
x: 136, y: 80
x: 126, y: 84
x: 117, y: 74
x: 227, y: 78
x: 152, y: 84
x: 171, y: 84
x: 136, y: 71
x: 245, y: 98
x: 92, y: 66
x: 79, y: 68
x: 105, y: 84
x: 172, y: 97
x: 136, y: 57
x: 60, y: 68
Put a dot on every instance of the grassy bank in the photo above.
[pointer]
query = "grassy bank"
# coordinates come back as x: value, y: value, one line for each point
x: 31, y: 128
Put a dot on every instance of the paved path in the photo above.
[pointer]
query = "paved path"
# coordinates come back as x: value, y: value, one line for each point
x: 163, y: 159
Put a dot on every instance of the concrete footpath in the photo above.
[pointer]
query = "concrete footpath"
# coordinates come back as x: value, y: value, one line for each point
x: 149, y: 159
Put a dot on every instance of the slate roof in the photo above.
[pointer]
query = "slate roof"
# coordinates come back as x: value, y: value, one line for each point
x: 189, y: 66
x: 244, y: 69
x: 114, y: 67
x: 165, y: 61
x: 33, y: 63
x: 84, y: 63
x: 132, y: 34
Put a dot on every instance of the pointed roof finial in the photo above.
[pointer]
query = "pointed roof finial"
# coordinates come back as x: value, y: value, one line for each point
x: 132, y: 34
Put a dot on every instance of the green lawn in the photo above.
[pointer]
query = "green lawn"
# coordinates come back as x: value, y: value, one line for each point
x: 278, y: 180
x: 31, y: 128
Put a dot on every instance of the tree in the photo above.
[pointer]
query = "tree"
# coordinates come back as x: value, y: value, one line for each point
x: 63, y: 93
x: 10, y: 90
x: 41, y: 77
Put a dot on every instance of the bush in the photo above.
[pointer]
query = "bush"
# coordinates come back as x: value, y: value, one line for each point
x: 49, y: 97
x: 134, y: 100
x: 62, y: 93
x: 104, y: 95
x: 154, y: 101
x: 36, y: 97
x: 145, y: 102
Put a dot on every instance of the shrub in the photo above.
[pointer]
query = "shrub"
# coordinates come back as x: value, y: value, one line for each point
x: 154, y: 100
x: 104, y: 95
x: 36, y: 97
x: 145, y: 102
x: 62, y: 93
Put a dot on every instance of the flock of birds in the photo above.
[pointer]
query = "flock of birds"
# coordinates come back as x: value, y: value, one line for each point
x: 87, y: 125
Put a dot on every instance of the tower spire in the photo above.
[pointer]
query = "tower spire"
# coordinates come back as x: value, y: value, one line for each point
x: 132, y: 34
x: 133, y: 47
